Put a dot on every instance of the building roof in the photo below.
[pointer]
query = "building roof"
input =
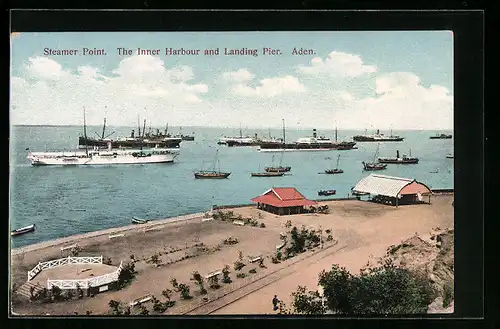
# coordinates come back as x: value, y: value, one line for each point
x: 390, y: 186
x: 283, y: 197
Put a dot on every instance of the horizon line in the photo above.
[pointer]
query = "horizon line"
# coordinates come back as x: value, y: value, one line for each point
x: 235, y: 127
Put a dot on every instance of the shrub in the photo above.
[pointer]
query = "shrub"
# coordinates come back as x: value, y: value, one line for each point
x: 175, y: 284
x: 241, y: 275
x: 288, y: 224
x: 447, y: 294
x: 117, y: 308
x: 279, y: 255
x: 253, y: 270
x: 184, y: 289
x: 329, y: 238
x: 143, y: 310
x: 199, y: 281
x: 55, y: 291
x: 275, y: 260
x: 238, y: 265
x: 126, y: 275
x: 167, y: 293
x: 225, y: 274
x: 107, y: 261
x: 214, y: 282
x: 231, y: 241
x: 155, y: 259
x: 262, y: 225
x: 261, y: 263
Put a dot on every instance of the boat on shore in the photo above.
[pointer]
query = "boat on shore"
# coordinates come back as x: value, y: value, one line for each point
x: 213, y: 173
x: 399, y: 160
x: 23, y: 230
x: 136, y: 220
x: 327, y: 192
x: 377, y: 137
x: 441, y: 136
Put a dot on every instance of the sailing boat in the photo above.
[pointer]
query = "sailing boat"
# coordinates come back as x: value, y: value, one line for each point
x: 374, y: 165
x: 267, y: 173
x: 336, y: 170
x: 213, y: 173
x: 279, y: 168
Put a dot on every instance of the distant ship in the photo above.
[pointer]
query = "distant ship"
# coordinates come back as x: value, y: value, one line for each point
x: 145, y: 140
x: 212, y: 173
x: 312, y: 143
x: 371, y: 166
x: 378, y: 137
x: 441, y: 136
x: 399, y: 160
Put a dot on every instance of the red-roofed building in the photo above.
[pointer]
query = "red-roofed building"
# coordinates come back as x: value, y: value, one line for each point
x: 283, y: 201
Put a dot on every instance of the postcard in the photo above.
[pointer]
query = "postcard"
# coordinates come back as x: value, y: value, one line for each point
x: 250, y: 173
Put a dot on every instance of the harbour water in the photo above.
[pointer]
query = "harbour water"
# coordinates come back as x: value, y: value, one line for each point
x: 64, y: 201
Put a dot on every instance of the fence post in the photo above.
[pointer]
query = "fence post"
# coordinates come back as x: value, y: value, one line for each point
x: 101, y: 259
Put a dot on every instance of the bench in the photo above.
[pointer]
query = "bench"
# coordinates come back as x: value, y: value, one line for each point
x: 212, y: 274
x: 239, y: 222
x: 116, y: 236
x: 207, y: 219
x: 141, y: 300
x: 69, y: 247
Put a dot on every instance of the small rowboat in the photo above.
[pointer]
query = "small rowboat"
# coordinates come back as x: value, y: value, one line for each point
x: 327, y: 192
x: 136, y: 220
x: 23, y: 230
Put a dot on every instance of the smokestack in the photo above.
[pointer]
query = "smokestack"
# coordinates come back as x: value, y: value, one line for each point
x: 378, y: 131
x: 132, y: 134
x: 157, y: 132
x: 397, y: 154
x: 314, y: 133
x: 255, y: 135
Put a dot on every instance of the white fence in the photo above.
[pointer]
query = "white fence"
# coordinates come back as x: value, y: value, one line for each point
x: 86, y: 283
x: 62, y: 261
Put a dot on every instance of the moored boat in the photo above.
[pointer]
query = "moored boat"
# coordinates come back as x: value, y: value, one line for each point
x: 136, y: 220
x: 336, y: 170
x: 441, y: 136
x: 327, y: 192
x: 399, y: 160
x: 267, y: 174
x: 213, y: 173
x: 371, y: 166
x: 23, y: 230
x: 449, y: 156
x: 377, y: 137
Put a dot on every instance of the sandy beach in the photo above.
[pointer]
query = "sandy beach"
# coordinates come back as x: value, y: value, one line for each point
x: 363, y: 230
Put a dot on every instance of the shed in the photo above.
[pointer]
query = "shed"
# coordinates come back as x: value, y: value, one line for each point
x: 393, y: 190
x: 283, y: 201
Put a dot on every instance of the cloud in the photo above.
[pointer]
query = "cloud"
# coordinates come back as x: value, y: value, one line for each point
x: 271, y: 87
x: 48, y: 93
x: 337, y: 64
x: 242, y: 75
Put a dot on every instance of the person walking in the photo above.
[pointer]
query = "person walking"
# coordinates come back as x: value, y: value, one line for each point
x: 275, y: 303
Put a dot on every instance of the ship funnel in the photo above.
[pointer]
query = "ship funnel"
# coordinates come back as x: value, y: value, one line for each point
x: 157, y: 132
x: 378, y: 131
x: 109, y: 146
x: 132, y: 134
x: 255, y: 135
x: 397, y: 154
x: 314, y: 133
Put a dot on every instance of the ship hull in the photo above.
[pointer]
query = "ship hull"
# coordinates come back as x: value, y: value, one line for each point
x: 372, y: 139
x: 169, y: 143
x: 398, y: 161
x: 99, y: 160
x: 305, y: 147
x: 217, y: 176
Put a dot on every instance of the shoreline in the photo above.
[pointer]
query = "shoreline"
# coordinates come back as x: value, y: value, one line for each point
x: 159, y: 222
x: 99, y: 233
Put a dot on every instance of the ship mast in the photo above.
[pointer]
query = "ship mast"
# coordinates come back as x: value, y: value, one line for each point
x: 335, y: 134
x: 103, y: 128
x: 85, y: 132
x: 138, y: 126
x: 144, y: 129
x: 283, y: 120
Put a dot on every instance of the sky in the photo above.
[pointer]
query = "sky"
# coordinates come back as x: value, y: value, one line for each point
x: 350, y: 80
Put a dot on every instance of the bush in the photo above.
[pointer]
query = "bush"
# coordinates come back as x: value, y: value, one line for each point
x: 231, y: 241
x: 329, y: 238
x: 253, y: 270
x: 199, y: 281
x: 126, y: 275
x: 184, y: 290
x: 238, y: 265
x: 107, y: 261
x: 262, y: 225
x: 447, y: 294
x: 55, y: 291
x: 275, y: 260
x: 117, y: 308
x: 241, y: 275
x: 214, y: 282
x: 167, y: 293
x: 225, y: 274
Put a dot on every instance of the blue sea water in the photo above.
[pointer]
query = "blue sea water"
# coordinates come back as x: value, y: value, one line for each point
x: 111, y: 195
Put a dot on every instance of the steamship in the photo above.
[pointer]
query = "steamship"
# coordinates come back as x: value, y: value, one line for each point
x: 378, y: 137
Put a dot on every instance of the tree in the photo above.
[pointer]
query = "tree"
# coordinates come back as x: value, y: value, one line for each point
x: 143, y: 310
x: 214, y: 282
x: 126, y: 275
x: 199, y: 281
x: 167, y: 293
x: 310, y: 303
x: 383, y: 290
x: 225, y: 274
x: 184, y: 289
x: 115, y: 307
